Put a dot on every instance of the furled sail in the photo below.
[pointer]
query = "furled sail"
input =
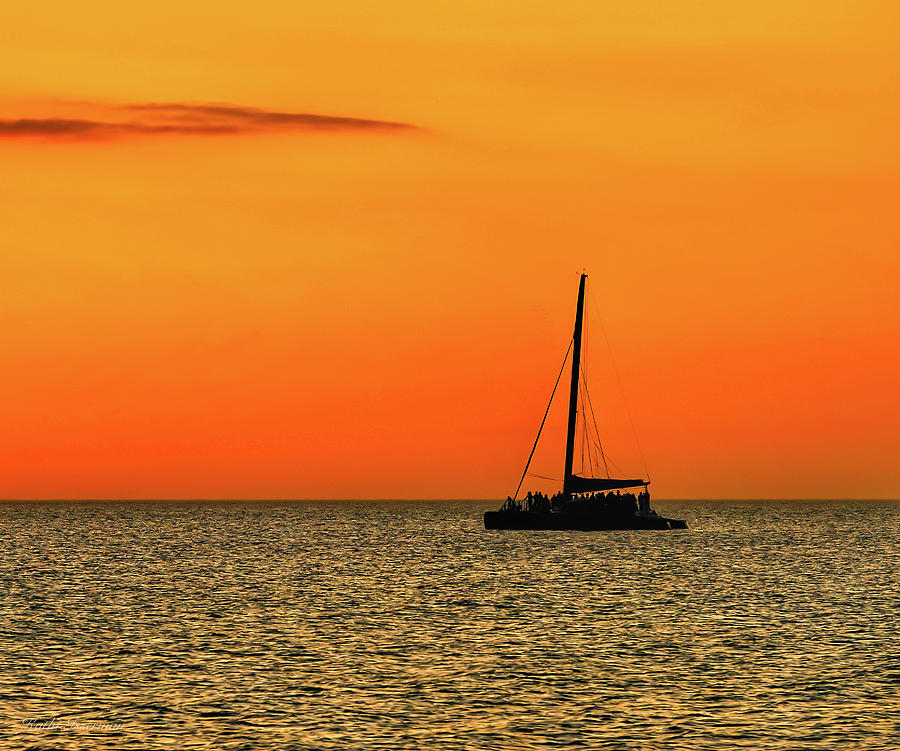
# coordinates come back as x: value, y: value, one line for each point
x: 577, y: 484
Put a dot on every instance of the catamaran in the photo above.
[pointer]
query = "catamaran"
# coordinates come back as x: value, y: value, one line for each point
x: 585, y: 503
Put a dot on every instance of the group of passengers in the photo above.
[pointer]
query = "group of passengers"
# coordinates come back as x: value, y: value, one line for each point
x: 614, y: 503
x: 619, y: 503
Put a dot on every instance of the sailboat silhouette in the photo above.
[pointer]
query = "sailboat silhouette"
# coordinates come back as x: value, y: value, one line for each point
x: 585, y: 503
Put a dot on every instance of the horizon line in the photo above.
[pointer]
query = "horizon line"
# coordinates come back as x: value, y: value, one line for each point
x: 417, y: 500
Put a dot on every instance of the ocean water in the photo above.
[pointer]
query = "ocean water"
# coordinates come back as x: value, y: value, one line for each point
x: 382, y: 625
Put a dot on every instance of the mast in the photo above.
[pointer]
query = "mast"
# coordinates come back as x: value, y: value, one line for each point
x: 573, y: 392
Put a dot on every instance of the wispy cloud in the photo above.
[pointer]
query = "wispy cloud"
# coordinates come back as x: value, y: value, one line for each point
x: 165, y: 118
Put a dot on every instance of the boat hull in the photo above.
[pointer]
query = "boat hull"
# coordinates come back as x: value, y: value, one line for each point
x: 582, y: 522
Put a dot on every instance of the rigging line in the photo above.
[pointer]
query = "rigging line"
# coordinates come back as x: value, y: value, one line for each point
x: 586, y: 435
x: 543, y: 477
x: 621, y: 389
x: 590, y: 460
x: 584, y: 339
x: 581, y: 435
x: 585, y: 362
x: 583, y: 390
x: 598, y: 447
x: 593, y: 439
x: 586, y: 349
x: 546, y: 411
x: 596, y: 456
x: 596, y: 429
x: 584, y: 398
x: 616, y: 467
x: 583, y: 425
x: 579, y: 415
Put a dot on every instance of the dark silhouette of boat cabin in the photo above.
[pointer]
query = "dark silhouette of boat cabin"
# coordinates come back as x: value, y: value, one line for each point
x: 585, y: 503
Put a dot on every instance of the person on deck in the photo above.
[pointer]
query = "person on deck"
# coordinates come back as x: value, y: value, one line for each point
x: 644, y: 503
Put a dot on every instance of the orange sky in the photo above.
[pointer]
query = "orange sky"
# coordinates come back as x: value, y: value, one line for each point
x: 358, y: 310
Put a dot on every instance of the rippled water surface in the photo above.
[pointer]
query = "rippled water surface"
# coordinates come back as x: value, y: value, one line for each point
x: 407, y: 626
